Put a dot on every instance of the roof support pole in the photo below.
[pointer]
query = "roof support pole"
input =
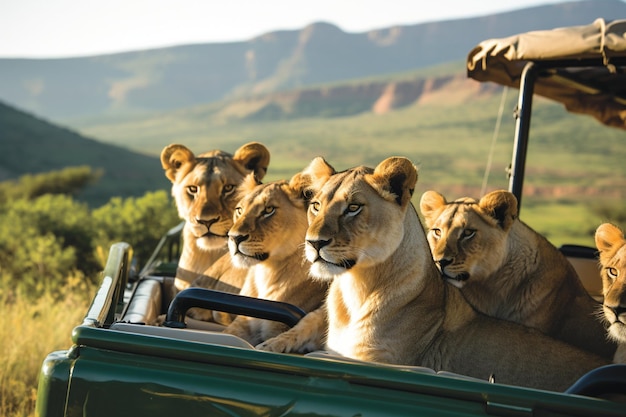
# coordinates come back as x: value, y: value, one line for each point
x: 522, y: 126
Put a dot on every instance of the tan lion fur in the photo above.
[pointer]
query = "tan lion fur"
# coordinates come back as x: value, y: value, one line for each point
x: 505, y: 269
x: 267, y: 239
x: 204, y: 189
x: 387, y: 302
x: 612, y: 246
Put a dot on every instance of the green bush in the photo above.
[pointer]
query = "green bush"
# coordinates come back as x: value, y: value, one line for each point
x: 138, y: 221
x: 44, y: 238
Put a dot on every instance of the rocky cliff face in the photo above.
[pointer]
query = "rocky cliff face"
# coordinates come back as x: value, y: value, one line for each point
x: 344, y: 100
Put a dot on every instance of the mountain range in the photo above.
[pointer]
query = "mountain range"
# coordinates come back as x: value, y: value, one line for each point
x: 170, y: 78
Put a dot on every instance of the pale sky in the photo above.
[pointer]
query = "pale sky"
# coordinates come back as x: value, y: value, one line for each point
x: 65, y: 28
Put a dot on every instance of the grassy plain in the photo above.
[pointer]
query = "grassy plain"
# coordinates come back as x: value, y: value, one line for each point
x: 29, y: 330
x: 573, y: 161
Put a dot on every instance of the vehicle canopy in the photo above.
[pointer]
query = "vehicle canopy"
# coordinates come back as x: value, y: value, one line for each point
x: 582, y: 67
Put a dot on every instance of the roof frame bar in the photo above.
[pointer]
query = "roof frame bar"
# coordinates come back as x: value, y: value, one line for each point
x: 530, y: 73
x: 522, y: 128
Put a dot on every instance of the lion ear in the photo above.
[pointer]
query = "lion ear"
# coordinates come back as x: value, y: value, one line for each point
x: 249, y: 183
x: 430, y: 205
x: 255, y: 157
x: 398, y: 176
x: 308, y: 181
x: 607, y: 236
x: 502, y: 206
x: 300, y: 185
x: 319, y: 170
x: 176, y: 158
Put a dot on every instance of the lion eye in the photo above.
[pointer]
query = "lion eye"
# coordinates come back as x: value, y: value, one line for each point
x: 238, y: 211
x: 613, y: 273
x: 353, y: 209
x: 436, y: 233
x: 315, y: 207
x: 192, y: 189
x: 228, y: 189
x: 269, y: 211
x: 468, y: 233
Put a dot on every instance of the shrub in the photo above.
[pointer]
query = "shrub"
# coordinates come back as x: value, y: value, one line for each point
x: 42, y: 241
x: 138, y: 221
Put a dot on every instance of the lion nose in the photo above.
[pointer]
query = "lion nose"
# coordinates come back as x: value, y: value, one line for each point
x: 318, y: 244
x: 444, y: 262
x: 207, y: 223
x: 239, y: 238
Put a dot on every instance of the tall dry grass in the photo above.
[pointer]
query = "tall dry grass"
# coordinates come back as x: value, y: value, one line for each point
x: 29, y: 330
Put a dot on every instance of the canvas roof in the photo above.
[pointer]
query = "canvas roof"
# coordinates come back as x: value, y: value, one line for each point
x: 583, y: 67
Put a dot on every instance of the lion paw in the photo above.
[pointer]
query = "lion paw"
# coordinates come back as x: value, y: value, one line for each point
x: 277, y: 344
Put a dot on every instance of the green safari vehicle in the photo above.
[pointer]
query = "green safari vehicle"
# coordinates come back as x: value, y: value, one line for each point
x: 122, y: 364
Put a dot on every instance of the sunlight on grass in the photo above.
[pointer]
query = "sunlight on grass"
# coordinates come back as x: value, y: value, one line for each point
x: 29, y: 330
x: 562, y: 223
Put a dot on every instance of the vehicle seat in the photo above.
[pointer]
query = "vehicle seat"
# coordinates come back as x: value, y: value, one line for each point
x: 145, y: 304
x: 585, y: 261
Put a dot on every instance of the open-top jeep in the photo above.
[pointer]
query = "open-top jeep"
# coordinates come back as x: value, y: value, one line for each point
x: 122, y: 364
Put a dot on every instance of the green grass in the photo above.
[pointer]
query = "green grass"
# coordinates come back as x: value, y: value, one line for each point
x: 562, y: 223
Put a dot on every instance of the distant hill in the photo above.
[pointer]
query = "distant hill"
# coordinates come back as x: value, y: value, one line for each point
x: 378, y: 96
x: 183, y: 76
x: 30, y: 145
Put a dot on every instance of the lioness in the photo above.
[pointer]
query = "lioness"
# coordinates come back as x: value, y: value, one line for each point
x: 267, y: 239
x: 387, y: 301
x: 612, y: 246
x: 204, y: 187
x: 507, y: 270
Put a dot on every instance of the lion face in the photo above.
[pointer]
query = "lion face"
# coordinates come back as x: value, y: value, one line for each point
x: 204, y: 187
x: 356, y: 216
x: 468, y: 238
x: 269, y: 223
x: 612, y: 246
